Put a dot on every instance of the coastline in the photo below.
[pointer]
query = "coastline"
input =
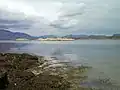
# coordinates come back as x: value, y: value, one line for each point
x: 24, y: 69
x: 32, y: 72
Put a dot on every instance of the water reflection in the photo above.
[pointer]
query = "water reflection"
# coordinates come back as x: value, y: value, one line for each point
x: 6, y: 47
x: 102, y: 55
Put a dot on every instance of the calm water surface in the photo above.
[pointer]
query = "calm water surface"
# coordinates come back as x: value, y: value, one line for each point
x: 102, y: 55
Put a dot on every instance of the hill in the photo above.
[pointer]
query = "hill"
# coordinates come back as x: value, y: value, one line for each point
x: 76, y: 36
x: 116, y: 36
x: 8, y: 35
x: 48, y: 36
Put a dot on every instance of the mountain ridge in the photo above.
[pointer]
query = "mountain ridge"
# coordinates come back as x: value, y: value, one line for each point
x: 8, y: 35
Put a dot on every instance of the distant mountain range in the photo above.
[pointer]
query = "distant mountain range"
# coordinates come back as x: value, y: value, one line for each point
x: 8, y: 35
x: 114, y: 36
x: 48, y: 36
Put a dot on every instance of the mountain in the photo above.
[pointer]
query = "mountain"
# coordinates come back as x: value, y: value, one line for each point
x: 48, y: 36
x: 116, y: 36
x: 76, y: 36
x: 98, y: 37
x: 8, y: 35
x: 87, y: 36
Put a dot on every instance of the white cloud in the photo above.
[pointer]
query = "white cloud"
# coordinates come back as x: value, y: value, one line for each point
x: 42, y: 13
x: 47, y: 10
x: 60, y: 16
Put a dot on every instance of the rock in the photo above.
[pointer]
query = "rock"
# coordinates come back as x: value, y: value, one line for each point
x: 17, y: 79
x: 13, y: 69
x: 3, y: 80
x: 46, y: 82
x: 51, y: 75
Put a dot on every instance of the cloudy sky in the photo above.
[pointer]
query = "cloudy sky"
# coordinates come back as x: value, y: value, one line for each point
x: 60, y: 17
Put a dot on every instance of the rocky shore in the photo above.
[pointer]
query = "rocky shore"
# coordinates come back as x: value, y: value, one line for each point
x: 29, y: 72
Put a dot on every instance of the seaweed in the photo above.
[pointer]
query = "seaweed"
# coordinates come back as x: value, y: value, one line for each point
x: 30, y: 72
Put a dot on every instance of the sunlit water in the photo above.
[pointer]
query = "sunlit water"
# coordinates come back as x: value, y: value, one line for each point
x: 102, y: 55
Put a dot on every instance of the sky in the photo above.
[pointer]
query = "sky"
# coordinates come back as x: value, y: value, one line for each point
x: 60, y: 17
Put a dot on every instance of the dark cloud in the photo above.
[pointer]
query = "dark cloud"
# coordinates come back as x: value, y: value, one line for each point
x: 73, y: 14
x: 52, y: 16
x: 9, y: 23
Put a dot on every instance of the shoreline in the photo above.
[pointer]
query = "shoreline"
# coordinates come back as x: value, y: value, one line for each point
x: 22, y: 69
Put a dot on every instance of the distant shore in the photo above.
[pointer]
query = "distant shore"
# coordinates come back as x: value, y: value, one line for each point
x: 8, y: 35
x: 61, y: 39
x: 65, y: 39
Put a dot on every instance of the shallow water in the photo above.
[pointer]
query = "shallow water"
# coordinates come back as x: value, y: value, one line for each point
x: 102, y: 55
